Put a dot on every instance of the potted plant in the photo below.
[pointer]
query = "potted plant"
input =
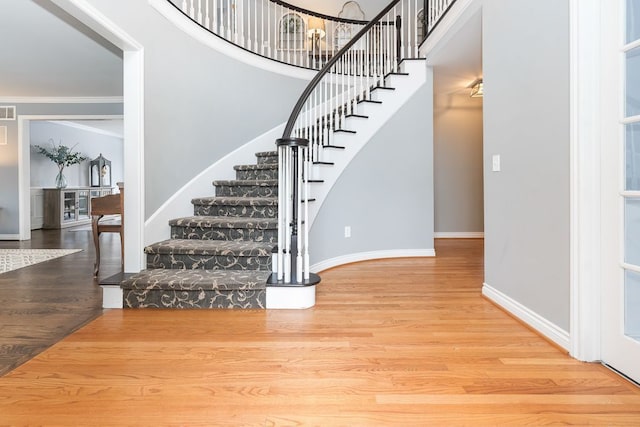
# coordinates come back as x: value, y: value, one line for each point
x: 62, y: 156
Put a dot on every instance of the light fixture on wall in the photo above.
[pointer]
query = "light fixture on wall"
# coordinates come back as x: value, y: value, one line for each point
x: 315, y: 30
x: 477, y: 89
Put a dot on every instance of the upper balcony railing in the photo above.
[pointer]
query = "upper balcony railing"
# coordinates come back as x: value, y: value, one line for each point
x: 296, y: 36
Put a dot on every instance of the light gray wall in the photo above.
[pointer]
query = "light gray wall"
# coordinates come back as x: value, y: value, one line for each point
x: 386, y: 193
x: 526, y: 121
x: 9, y: 153
x: 199, y: 104
x: 89, y: 144
x: 45, y: 52
x: 457, y: 165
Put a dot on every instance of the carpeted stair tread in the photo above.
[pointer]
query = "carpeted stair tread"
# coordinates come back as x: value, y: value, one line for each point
x: 210, y: 247
x: 267, y: 154
x: 263, y: 166
x: 235, y: 201
x: 196, y: 280
x: 225, y: 222
x: 248, y: 182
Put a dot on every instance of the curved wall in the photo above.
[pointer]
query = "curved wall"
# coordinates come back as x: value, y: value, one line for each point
x: 199, y: 103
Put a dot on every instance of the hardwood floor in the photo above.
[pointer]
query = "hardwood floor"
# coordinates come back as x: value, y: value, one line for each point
x: 43, y: 303
x: 406, y: 342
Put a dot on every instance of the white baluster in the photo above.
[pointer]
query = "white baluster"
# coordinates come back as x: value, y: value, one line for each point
x: 289, y: 203
x: 281, y: 224
x: 306, y: 218
x: 299, y: 213
x: 199, y: 14
x: 184, y: 6
x: 207, y: 17
x: 192, y: 10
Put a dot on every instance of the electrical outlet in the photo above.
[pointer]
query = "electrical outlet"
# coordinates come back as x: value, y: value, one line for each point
x: 347, y: 231
x: 495, y: 163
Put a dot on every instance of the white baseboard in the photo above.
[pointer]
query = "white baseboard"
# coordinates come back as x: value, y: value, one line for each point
x: 458, y: 235
x: 9, y: 237
x: 289, y: 297
x: 365, y: 256
x: 537, y: 322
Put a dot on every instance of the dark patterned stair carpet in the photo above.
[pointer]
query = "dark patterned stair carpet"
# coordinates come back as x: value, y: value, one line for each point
x: 210, y: 255
x: 225, y: 228
x: 163, y: 288
x: 247, y: 188
x: 248, y: 207
x: 267, y: 157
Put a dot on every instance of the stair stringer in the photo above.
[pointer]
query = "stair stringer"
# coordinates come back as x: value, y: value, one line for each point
x: 378, y: 115
x: 179, y: 204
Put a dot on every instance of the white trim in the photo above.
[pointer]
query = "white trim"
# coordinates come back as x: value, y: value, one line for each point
x: 182, y: 22
x: 631, y: 267
x: 585, y: 175
x: 366, y: 256
x: 458, y: 235
x: 289, y: 297
x: 634, y: 44
x: 630, y: 120
x: 133, y: 91
x: 531, y: 318
x: 9, y: 237
x: 62, y: 99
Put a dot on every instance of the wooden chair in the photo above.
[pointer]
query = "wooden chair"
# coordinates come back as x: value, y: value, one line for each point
x: 107, y: 205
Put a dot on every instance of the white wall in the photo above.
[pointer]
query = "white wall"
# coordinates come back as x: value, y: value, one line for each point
x: 90, y: 144
x: 526, y: 122
x: 457, y: 146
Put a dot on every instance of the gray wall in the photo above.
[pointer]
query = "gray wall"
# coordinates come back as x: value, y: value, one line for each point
x: 90, y: 144
x: 199, y: 104
x: 386, y: 193
x: 457, y: 165
x: 526, y: 121
x: 9, y: 153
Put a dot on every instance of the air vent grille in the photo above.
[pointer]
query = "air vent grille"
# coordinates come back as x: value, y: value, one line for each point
x: 7, y: 112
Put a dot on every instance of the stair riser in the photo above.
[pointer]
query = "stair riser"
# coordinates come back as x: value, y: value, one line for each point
x: 209, y: 262
x: 236, y: 211
x: 267, y: 160
x: 253, y: 174
x: 197, y: 298
x: 244, y: 234
x: 246, y: 191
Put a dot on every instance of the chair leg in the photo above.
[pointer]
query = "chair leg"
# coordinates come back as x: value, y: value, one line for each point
x: 96, y: 243
x: 122, y: 249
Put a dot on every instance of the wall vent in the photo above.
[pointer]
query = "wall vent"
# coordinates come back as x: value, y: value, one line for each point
x: 7, y: 112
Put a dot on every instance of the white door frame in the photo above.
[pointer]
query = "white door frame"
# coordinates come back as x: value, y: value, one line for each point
x: 586, y: 139
x: 133, y: 93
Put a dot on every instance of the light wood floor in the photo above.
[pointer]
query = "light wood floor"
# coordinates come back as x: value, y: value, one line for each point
x: 407, y: 342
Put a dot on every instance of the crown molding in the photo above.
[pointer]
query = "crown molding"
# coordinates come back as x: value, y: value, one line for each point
x: 61, y: 99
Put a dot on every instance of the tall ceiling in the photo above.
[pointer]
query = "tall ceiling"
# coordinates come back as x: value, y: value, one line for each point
x: 46, y: 52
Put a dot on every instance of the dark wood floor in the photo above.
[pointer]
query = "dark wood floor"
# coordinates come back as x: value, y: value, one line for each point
x: 45, y: 302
